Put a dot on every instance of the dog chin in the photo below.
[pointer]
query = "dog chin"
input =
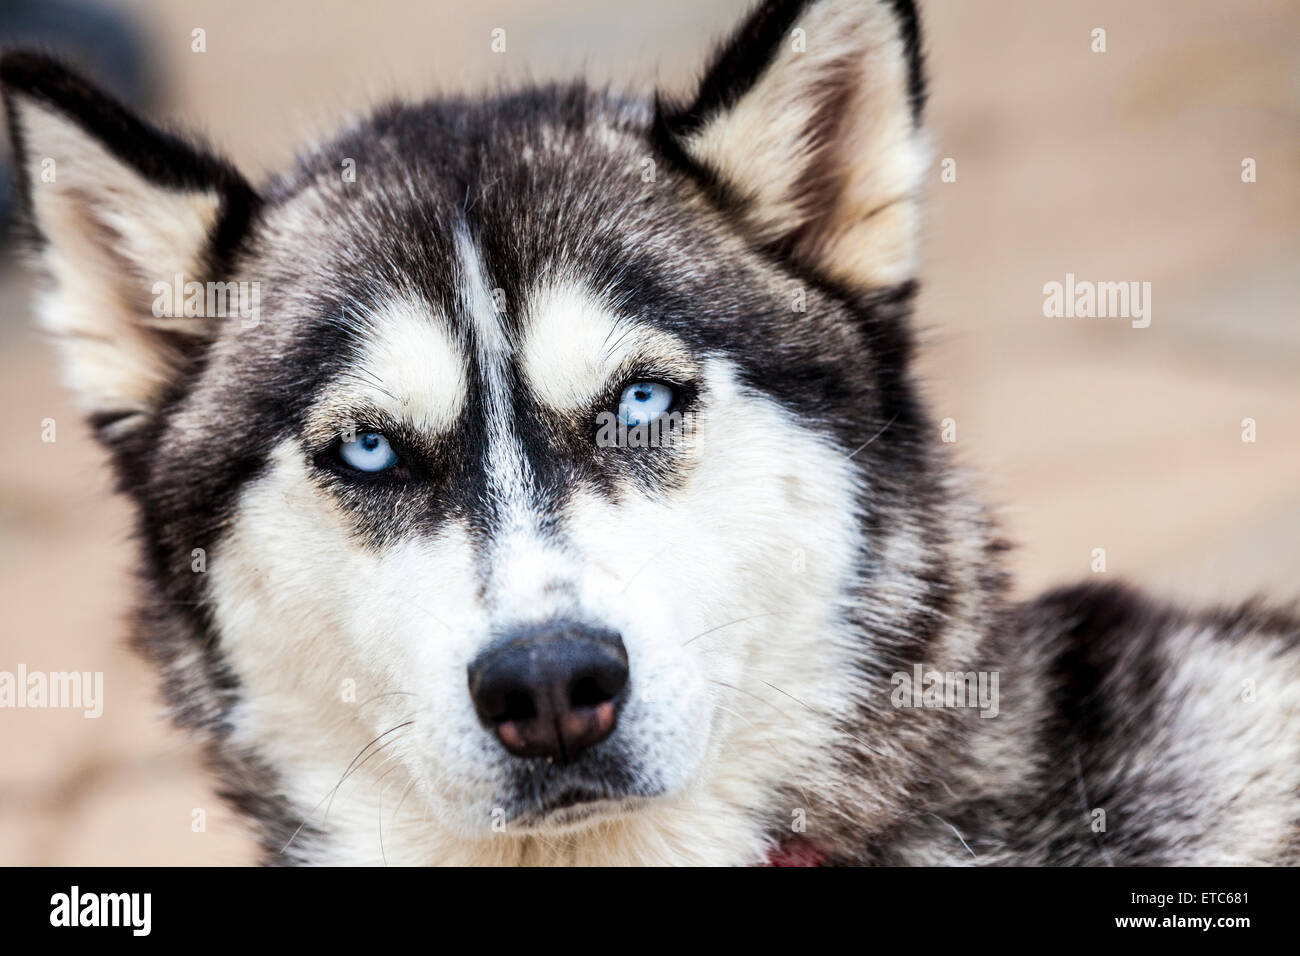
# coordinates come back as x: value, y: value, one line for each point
x: 575, y: 799
x: 570, y: 814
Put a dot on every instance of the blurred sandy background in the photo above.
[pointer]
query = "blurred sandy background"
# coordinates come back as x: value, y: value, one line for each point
x: 1116, y: 166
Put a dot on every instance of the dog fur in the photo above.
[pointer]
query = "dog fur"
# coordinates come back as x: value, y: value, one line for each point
x: 496, y: 270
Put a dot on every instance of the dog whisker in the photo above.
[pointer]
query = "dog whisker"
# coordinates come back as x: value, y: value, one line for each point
x: 824, y: 715
x: 873, y: 437
x: 739, y: 620
x: 351, y: 768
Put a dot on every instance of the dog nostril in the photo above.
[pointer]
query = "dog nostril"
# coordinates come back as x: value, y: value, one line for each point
x: 517, y: 705
x: 591, y: 691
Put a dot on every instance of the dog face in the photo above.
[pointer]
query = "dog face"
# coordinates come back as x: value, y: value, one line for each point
x: 553, y: 494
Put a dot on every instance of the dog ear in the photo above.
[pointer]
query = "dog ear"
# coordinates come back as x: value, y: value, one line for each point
x: 807, y: 123
x: 114, y: 207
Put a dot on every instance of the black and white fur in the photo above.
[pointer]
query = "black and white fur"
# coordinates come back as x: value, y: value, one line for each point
x: 496, y: 270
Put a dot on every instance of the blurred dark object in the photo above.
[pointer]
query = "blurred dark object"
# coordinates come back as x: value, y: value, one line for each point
x: 100, y: 40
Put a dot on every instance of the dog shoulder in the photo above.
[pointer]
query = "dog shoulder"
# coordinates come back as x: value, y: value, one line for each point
x: 1160, y: 716
x: 1104, y: 626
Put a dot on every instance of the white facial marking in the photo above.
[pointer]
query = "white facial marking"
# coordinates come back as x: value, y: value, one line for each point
x: 573, y: 344
x: 409, y: 367
x: 524, y: 564
x: 510, y: 475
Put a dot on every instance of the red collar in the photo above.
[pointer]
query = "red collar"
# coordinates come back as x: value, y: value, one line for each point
x: 796, y: 853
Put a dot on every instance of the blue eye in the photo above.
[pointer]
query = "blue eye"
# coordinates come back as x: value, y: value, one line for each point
x: 369, y: 451
x: 643, y: 402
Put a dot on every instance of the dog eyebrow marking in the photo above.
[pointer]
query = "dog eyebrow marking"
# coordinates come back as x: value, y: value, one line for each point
x: 406, y: 366
x: 573, y: 344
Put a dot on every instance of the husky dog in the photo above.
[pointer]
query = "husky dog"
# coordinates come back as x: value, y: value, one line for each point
x: 418, y: 570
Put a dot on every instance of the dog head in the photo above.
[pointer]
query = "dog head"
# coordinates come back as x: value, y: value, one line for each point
x: 527, y: 478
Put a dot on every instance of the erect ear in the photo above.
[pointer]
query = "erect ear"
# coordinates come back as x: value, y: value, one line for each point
x: 807, y: 123
x: 114, y: 207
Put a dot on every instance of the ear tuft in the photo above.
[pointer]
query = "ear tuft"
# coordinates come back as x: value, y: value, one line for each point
x: 807, y: 124
x: 115, y: 206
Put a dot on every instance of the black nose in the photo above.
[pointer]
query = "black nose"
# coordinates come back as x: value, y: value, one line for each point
x: 551, y: 691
